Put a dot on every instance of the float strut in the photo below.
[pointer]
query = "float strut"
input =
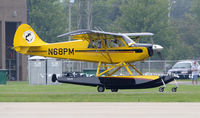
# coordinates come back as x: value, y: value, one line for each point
x: 163, y: 83
x: 176, y: 83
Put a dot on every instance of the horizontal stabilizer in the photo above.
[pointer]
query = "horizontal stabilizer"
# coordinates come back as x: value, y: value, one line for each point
x: 24, y: 49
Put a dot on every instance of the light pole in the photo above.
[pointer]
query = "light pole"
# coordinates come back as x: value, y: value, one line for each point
x: 169, y: 8
x: 70, y: 5
x: 70, y: 64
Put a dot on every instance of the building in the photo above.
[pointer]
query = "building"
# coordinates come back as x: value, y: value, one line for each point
x: 12, y: 14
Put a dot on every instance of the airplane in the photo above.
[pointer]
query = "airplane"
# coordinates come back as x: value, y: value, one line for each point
x: 112, y: 51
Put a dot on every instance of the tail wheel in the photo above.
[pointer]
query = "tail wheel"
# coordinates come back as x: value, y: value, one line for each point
x: 100, y: 88
x: 114, y: 90
x: 54, y: 78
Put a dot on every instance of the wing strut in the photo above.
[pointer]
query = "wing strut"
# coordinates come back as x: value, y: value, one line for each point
x: 115, y: 68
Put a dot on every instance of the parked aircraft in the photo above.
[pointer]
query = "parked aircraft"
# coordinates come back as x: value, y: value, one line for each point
x: 111, y: 51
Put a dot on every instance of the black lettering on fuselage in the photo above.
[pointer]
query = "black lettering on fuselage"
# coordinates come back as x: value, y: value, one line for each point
x: 55, y: 51
x: 50, y: 51
x: 61, y: 51
x: 71, y: 51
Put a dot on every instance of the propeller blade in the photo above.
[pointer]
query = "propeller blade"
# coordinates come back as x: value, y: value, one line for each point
x: 160, y: 55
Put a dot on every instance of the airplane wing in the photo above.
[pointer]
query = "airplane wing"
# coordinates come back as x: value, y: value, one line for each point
x: 86, y: 34
x: 138, y: 34
x: 91, y: 32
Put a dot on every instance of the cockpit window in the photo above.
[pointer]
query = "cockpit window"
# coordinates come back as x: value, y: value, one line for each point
x: 92, y: 44
x: 106, y: 43
x: 99, y: 44
x: 115, y: 43
x: 128, y: 40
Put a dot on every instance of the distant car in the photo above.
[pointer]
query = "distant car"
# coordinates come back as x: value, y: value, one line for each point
x: 183, y: 69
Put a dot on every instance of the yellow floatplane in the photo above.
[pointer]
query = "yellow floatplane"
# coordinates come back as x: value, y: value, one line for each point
x: 111, y: 51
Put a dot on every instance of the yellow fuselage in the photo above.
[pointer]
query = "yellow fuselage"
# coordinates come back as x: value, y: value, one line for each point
x: 78, y: 50
x: 105, y: 50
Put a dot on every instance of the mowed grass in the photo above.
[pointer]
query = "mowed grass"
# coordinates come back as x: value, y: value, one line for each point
x: 23, y: 92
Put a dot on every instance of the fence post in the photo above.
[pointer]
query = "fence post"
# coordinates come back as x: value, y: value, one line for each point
x: 149, y: 65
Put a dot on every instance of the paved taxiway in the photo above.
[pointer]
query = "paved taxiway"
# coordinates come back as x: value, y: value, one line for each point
x: 99, y: 110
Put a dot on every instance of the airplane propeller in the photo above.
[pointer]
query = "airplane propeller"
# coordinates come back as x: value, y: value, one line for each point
x: 158, y: 49
x: 160, y: 55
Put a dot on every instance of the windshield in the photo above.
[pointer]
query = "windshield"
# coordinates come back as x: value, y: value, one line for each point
x: 128, y: 40
x: 182, y: 65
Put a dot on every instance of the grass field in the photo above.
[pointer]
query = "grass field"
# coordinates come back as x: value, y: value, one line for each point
x: 23, y: 92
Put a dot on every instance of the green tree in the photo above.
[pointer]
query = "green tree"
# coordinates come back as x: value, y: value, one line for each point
x: 188, y: 29
x: 104, y: 13
x: 101, y: 14
x: 195, y: 10
x: 179, y: 8
x: 181, y: 51
x: 48, y: 19
x: 146, y: 16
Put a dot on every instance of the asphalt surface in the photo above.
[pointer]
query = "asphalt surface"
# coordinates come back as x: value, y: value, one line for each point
x: 99, y: 110
x: 183, y: 82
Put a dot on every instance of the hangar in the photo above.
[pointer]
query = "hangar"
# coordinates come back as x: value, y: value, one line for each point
x: 12, y: 14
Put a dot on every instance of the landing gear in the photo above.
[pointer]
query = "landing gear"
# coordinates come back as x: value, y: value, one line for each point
x: 54, y: 78
x: 161, y: 89
x: 174, y: 89
x: 100, y: 88
x: 114, y: 90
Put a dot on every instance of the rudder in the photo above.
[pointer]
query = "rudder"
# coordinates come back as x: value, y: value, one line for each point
x: 25, y: 37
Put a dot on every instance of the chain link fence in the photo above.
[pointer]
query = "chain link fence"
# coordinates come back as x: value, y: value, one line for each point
x: 40, y: 70
x: 149, y: 67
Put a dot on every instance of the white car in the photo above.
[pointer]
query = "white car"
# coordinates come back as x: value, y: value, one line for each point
x: 183, y: 69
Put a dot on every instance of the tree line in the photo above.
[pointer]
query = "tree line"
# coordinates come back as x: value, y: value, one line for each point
x: 175, y: 23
